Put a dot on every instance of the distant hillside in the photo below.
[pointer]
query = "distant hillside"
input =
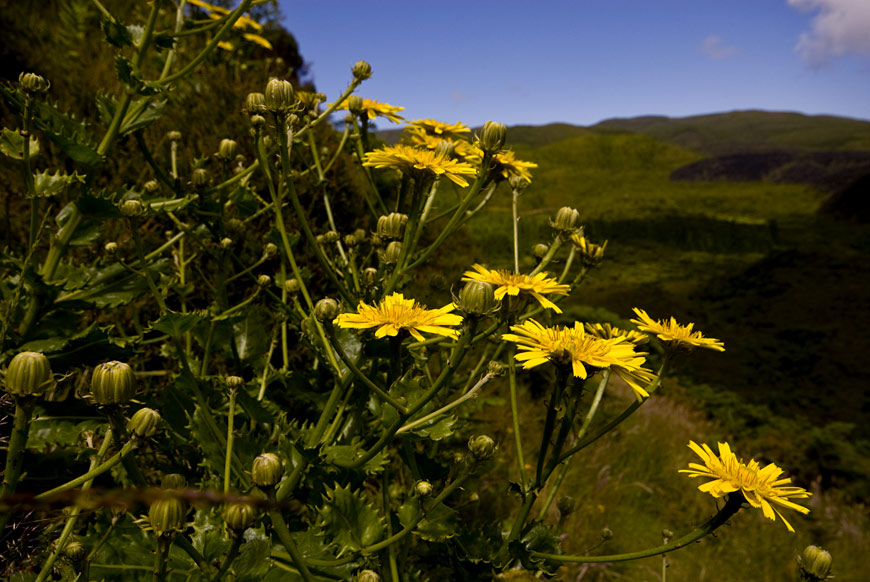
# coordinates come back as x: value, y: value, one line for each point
x: 748, y: 131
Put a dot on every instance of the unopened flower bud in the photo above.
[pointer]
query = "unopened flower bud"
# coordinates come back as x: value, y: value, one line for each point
x: 476, y: 298
x: 267, y: 470
x: 590, y: 254
x: 226, y: 242
x: 255, y: 103
x: 279, y: 96
x: 392, y: 253
x: 75, y: 551
x: 291, y: 286
x: 151, y: 186
x: 606, y: 533
x: 234, y: 382
x: 566, y: 505
x: 173, y: 481
x: 199, y: 178
x: 423, y: 489
x: 111, y: 247
x: 33, y: 83
x: 227, y: 149
x: 173, y: 135
x: 376, y: 241
x: 362, y: 70
x: 113, y: 383
x: 270, y: 249
x: 351, y: 241
x: 495, y: 368
x: 331, y: 237
x: 445, y: 148
x: 29, y: 374
x: 540, y: 250
x: 258, y: 121
x: 320, y: 239
x: 235, y: 226
x: 370, y: 277
x: 355, y: 104
x: 360, y: 234
x: 144, y: 422
x: 482, y: 447
x: 326, y: 309
x: 492, y: 137
x: 392, y: 226
x: 239, y: 516
x: 368, y: 576
x: 567, y: 220
x: 264, y: 281
x: 667, y: 534
x: 131, y: 208
x: 815, y: 564
x: 166, y: 516
x: 518, y: 183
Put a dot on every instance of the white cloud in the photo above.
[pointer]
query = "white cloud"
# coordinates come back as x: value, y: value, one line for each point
x: 840, y: 27
x: 715, y: 48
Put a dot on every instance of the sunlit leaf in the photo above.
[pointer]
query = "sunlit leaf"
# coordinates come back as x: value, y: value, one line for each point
x: 12, y: 144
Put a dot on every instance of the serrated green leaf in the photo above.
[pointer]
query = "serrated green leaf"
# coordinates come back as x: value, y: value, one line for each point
x: 174, y: 324
x: 213, y: 456
x: 438, y: 525
x: 252, y: 562
x: 250, y: 335
x: 208, y: 534
x: 12, y: 144
x: 349, y: 520
x: 104, y: 287
x: 163, y: 40
x: 539, y: 539
x: 344, y: 454
x: 48, y: 433
x: 438, y: 429
x: 134, y: 121
x: 117, y: 34
x: 47, y: 185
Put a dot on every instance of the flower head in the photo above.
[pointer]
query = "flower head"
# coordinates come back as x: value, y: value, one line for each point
x: 508, y: 283
x: 505, y: 164
x: 760, y: 486
x: 591, y: 254
x: 539, y: 344
x: 607, y: 331
x: 374, y: 109
x: 395, y: 313
x: 671, y: 331
x: 439, y: 129
x: 415, y: 161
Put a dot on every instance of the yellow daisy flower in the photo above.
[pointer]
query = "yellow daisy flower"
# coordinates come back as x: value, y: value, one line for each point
x: 439, y: 129
x: 539, y: 344
x: 508, y: 283
x: 505, y: 164
x: 591, y: 254
x: 414, y: 160
x: 395, y: 313
x: 607, y: 331
x: 760, y: 486
x: 375, y: 109
x: 671, y: 331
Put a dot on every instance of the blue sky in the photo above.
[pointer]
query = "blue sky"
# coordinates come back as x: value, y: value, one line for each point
x: 524, y: 62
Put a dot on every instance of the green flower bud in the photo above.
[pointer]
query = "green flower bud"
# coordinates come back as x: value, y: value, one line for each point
x: 591, y: 254
x: 606, y: 533
x: 320, y: 239
x: 235, y: 226
x: 173, y: 135
x: 566, y: 505
x: 518, y: 183
x: 331, y: 237
x: 227, y: 149
x: 270, y: 249
x: 199, y: 178
x: 362, y: 70
x: 423, y: 489
x: 226, y: 243
x: 351, y: 241
x: 392, y: 226
x: 495, y: 368
x: 291, y: 286
x: 540, y: 250
x: 326, y: 309
x: 255, y: 103
x: 234, y: 382
x: 166, y: 516
x: 815, y: 564
x: 131, y: 208
x: 29, y: 374
x: 144, y: 422
x: 368, y: 576
x: 264, y: 281
x: 173, y: 481
x: 445, y: 148
x: 279, y: 96
x: 75, y: 551
x: 111, y: 247
x: 376, y: 241
x: 392, y: 253
x: 355, y: 104
x: 667, y: 534
x: 492, y: 137
x: 267, y: 470
x: 240, y: 516
x: 482, y: 447
x: 476, y: 299
x: 258, y: 122
x: 360, y: 234
x: 151, y: 186
x: 370, y: 277
x: 567, y: 220
x: 33, y: 83
x: 113, y: 383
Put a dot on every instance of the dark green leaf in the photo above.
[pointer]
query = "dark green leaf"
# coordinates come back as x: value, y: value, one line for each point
x: 349, y: 520
x: 208, y: 534
x: 12, y: 144
x: 213, y: 453
x: 151, y: 113
x: 163, y: 41
x: 344, y: 454
x: 174, y: 324
x: 48, y: 433
x: 117, y: 34
x: 253, y: 560
x: 252, y: 336
x: 438, y: 524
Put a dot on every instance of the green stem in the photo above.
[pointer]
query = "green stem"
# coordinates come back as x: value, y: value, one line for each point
x: 146, y: 273
x: 551, y: 252
x: 92, y: 473
x: 230, y: 440
x: 232, y: 553
x: 562, y: 373
x: 515, y: 195
x: 515, y: 415
x: 15, y: 450
x: 731, y: 507
x: 289, y: 545
x: 161, y: 557
x: 448, y: 407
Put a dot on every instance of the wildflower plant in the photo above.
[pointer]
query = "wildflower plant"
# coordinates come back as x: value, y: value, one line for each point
x: 244, y: 342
